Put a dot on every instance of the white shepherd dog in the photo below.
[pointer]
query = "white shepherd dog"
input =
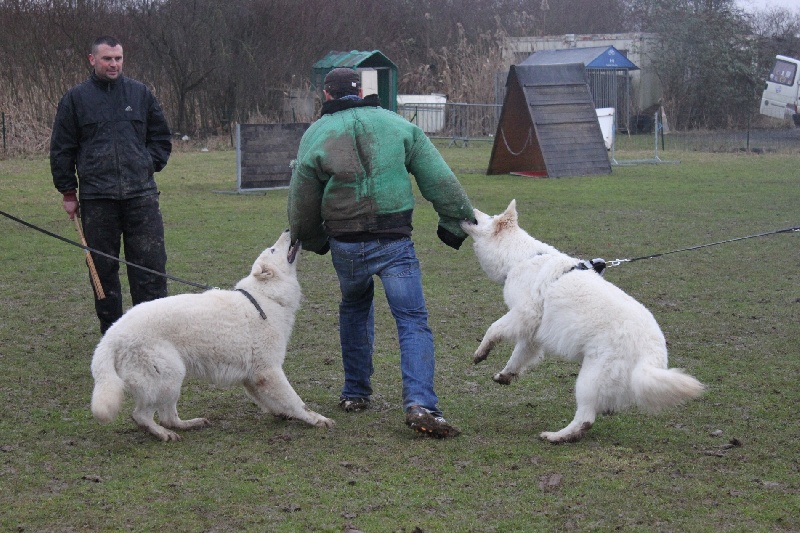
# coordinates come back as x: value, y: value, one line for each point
x: 226, y: 337
x: 555, y: 307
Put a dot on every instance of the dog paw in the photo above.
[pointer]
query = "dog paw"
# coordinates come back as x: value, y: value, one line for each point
x: 174, y: 436
x: 479, y: 357
x: 560, y: 437
x: 325, y: 423
x: 555, y: 438
x: 550, y: 436
x: 158, y: 431
x: 504, y: 379
x: 168, y: 436
x: 195, y: 423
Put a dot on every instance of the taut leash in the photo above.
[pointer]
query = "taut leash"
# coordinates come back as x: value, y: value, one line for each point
x: 103, y: 254
x: 617, y: 262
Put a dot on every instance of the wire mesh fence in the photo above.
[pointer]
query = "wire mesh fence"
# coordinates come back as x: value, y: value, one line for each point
x: 753, y: 140
x: 461, y: 123
x: 756, y: 140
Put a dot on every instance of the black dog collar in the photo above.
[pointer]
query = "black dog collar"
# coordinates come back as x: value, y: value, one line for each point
x: 598, y: 265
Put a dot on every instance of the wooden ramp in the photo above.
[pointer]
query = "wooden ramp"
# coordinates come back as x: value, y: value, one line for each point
x: 548, y: 124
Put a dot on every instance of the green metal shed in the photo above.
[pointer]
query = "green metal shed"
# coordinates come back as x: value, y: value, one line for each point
x: 378, y: 73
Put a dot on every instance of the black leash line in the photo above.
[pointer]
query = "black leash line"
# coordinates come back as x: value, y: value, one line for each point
x: 98, y: 252
x: 617, y: 262
x: 254, y: 302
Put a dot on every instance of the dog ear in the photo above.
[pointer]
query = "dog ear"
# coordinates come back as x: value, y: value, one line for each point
x: 507, y: 219
x: 263, y: 272
x: 512, y: 208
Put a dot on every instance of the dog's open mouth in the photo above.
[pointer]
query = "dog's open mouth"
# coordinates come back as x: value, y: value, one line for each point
x: 293, y: 249
x: 468, y: 223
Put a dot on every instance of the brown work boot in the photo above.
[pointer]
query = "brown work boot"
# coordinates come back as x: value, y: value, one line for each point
x: 353, y: 405
x: 422, y: 420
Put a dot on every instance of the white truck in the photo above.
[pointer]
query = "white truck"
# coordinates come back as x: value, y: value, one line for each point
x: 781, y: 97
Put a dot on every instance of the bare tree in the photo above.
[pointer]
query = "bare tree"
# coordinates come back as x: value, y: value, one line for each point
x: 181, y: 44
x: 212, y: 63
x: 703, y: 59
x: 778, y: 32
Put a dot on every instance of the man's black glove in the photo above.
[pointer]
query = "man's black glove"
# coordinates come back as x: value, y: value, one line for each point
x: 324, y: 250
x: 447, y: 237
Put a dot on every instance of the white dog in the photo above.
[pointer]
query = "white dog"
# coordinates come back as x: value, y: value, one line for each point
x: 226, y: 337
x: 557, y: 307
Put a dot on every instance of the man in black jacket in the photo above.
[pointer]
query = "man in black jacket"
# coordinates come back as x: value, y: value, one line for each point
x: 109, y: 138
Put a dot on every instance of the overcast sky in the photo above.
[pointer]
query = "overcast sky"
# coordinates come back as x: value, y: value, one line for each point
x: 754, y: 5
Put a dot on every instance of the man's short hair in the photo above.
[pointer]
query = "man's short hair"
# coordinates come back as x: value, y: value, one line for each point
x: 106, y: 40
x: 341, y: 82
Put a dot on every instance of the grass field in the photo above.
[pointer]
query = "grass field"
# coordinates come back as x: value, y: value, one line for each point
x: 731, y: 315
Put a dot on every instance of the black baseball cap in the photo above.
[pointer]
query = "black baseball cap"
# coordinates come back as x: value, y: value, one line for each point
x: 343, y: 80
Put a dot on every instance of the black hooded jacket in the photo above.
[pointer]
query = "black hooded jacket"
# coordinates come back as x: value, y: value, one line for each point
x: 114, y: 135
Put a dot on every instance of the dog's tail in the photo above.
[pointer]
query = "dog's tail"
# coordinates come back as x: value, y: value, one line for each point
x: 656, y: 388
x: 109, y: 389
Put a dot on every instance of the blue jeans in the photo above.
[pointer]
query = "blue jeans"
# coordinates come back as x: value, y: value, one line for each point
x: 395, y: 262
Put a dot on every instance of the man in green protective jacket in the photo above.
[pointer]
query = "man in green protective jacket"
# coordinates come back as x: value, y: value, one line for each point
x: 351, y: 193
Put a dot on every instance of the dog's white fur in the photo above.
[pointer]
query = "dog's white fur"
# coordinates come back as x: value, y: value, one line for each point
x: 577, y: 315
x: 218, y: 335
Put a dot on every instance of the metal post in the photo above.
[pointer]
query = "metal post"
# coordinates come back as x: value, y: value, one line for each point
x: 238, y: 157
x: 656, y: 128
x: 614, y: 141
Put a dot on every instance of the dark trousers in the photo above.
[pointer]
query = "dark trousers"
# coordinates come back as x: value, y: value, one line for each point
x: 138, y: 225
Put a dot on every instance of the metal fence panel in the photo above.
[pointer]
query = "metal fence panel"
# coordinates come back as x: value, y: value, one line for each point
x: 461, y: 123
x: 755, y: 140
x: 454, y: 121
